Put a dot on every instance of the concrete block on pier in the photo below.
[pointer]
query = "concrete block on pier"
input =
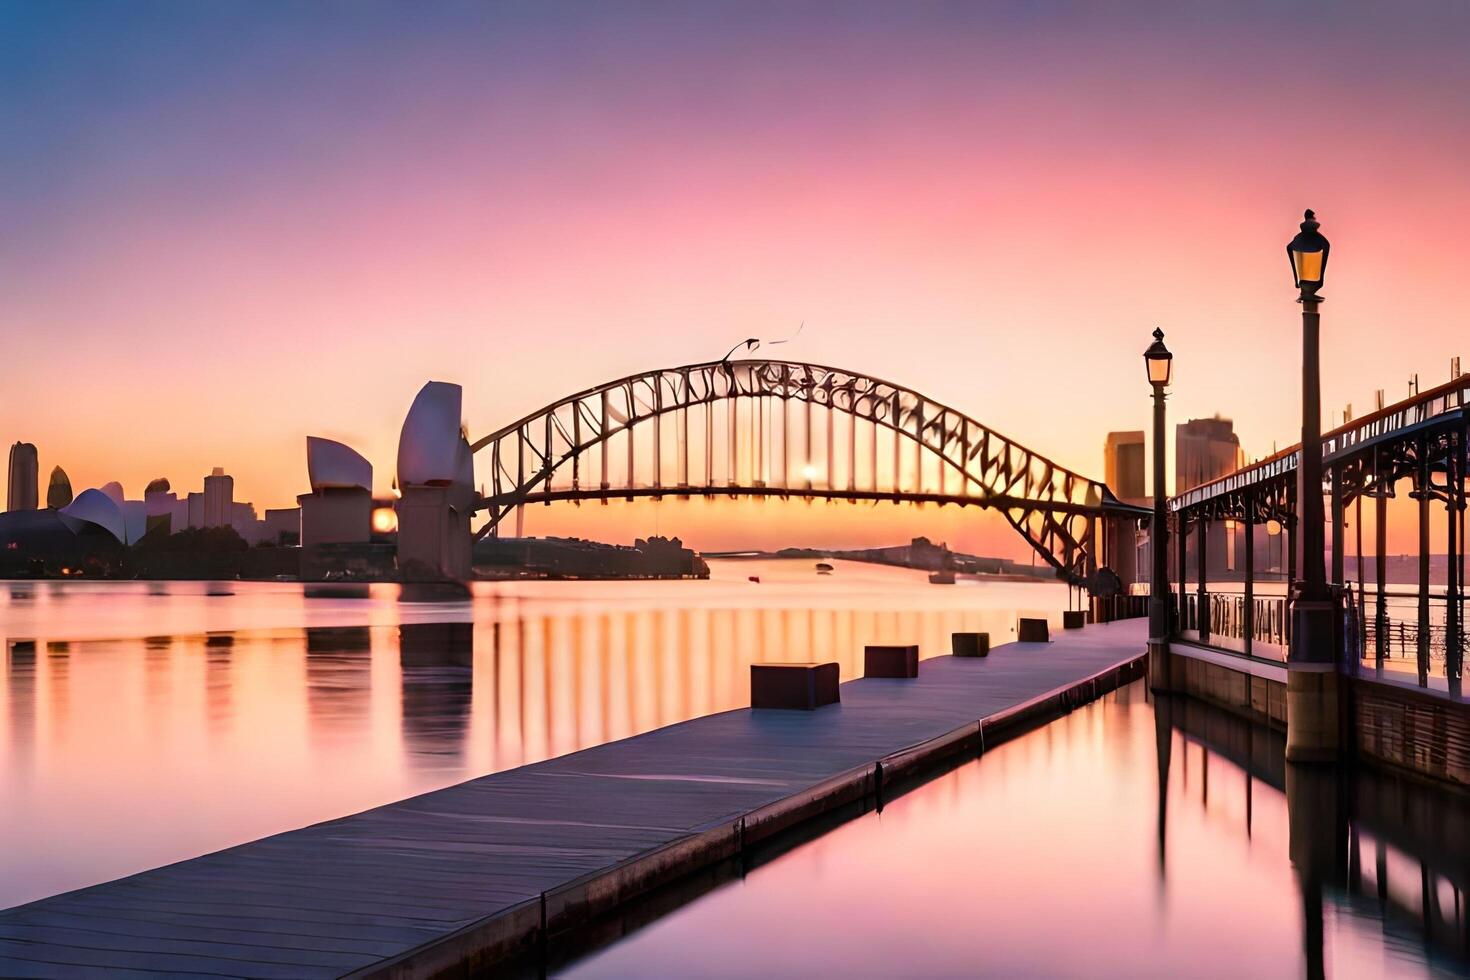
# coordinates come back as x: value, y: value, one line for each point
x: 891, y: 661
x: 970, y: 644
x: 1074, y: 619
x: 1032, y: 631
x: 798, y: 686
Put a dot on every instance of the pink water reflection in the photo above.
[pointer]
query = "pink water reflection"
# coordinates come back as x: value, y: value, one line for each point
x: 144, y: 723
x: 1045, y: 858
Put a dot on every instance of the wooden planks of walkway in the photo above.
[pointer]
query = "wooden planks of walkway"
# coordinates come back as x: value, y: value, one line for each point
x: 461, y: 877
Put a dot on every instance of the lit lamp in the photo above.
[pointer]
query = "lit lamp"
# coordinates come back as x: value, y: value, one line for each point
x: 1160, y: 362
x: 1308, y: 254
x: 1160, y: 365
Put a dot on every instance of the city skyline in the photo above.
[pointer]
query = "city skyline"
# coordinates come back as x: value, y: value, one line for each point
x: 651, y: 488
x: 473, y: 219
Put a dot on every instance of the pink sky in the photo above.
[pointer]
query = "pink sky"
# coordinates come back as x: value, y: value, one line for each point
x: 228, y: 234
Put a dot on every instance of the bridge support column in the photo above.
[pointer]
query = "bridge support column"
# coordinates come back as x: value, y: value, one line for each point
x: 1380, y: 574
x: 434, y: 540
x: 1122, y: 550
x: 1248, y: 606
x: 1423, y: 490
x: 1183, y: 570
x: 1454, y: 580
x: 1202, y: 559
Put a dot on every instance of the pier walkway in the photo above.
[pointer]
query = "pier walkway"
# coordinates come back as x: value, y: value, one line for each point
x: 460, y: 877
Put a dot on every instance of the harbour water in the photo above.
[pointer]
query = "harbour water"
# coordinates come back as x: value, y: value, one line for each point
x: 1126, y: 839
x: 143, y: 723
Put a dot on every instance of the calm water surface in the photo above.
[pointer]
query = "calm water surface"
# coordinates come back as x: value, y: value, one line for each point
x: 1118, y: 841
x: 144, y: 723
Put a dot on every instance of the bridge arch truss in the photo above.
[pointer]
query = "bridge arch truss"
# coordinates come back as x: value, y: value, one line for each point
x: 783, y: 428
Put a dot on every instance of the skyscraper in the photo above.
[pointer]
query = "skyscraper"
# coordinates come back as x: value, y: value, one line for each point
x: 1204, y: 450
x: 219, y: 499
x: 1123, y: 458
x: 23, y: 489
x: 58, y: 489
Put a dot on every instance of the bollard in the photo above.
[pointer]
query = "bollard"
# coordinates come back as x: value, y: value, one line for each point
x: 891, y: 661
x: 970, y: 644
x: 799, y: 686
x: 1074, y: 619
x: 1032, y: 631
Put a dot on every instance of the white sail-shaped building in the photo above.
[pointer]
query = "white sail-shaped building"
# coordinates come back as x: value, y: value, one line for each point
x: 436, y: 482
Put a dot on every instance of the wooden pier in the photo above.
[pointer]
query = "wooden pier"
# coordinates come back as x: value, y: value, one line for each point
x: 460, y: 878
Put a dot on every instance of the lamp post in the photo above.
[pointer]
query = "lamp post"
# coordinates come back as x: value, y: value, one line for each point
x: 1312, y: 729
x: 1308, y: 253
x: 1160, y: 364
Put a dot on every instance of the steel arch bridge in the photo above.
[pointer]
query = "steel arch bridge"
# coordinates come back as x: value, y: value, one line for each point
x: 781, y: 428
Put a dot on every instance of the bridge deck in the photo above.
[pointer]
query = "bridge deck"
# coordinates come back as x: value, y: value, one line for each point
x: 466, y: 872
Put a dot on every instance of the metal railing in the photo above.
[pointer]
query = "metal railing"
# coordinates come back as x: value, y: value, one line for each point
x: 1107, y: 609
x: 1269, y: 624
x: 1386, y: 632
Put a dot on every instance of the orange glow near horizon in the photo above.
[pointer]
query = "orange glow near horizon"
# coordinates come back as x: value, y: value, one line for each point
x: 238, y: 249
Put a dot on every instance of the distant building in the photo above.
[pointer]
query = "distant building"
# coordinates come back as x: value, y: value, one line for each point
x: 242, y: 519
x: 194, y: 510
x: 164, y: 508
x: 23, y: 488
x: 1204, y: 450
x: 58, y: 490
x: 653, y: 558
x: 283, y: 525
x: 219, y: 499
x: 1123, y: 461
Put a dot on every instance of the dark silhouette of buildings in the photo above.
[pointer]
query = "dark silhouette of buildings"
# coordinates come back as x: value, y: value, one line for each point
x: 22, y: 490
x: 58, y: 490
x: 1123, y: 465
x: 219, y: 499
x: 1204, y: 450
x: 653, y: 557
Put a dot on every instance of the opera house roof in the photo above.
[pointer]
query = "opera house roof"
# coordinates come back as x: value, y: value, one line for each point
x: 331, y: 465
x: 432, y: 448
x: 96, y: 508
x: 125, y: 520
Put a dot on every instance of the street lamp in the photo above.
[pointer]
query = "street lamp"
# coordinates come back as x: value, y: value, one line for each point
x: 1312, y: 683
x: 1160, y: 364
x: 1308, y: 253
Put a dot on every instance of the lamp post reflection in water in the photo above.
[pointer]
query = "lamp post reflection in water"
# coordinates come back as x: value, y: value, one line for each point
x: 1239, y: 869
x: 1317, y: 814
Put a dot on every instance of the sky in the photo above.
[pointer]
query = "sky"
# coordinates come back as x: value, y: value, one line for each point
x: 227, y: 226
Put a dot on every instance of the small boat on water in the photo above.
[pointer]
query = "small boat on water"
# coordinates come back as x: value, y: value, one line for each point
x: 942, y: 577
x: 754, y: 578
x: 824, y: 568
